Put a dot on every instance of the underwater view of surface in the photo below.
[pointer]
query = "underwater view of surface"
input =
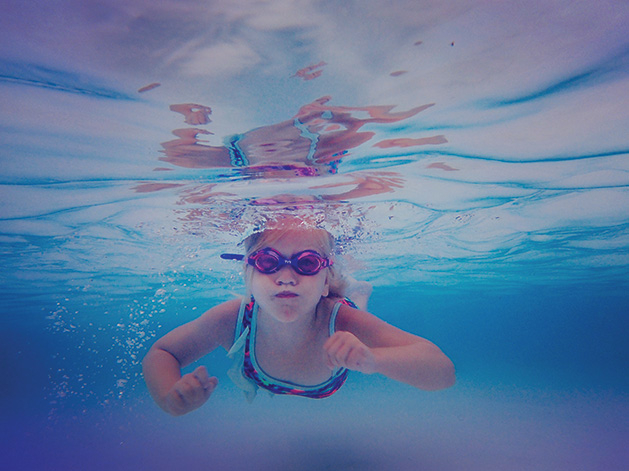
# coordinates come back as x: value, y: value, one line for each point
x: 470, y: 158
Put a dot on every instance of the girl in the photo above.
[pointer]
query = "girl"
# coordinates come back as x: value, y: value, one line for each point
x: 294, y: 332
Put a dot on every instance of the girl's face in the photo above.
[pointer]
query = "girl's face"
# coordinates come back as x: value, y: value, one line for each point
x: 286, y: 295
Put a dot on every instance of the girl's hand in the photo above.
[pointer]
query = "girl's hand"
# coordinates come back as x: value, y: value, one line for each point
x: 345, y: 350
x: 190, y: 392
x: 194, y: 114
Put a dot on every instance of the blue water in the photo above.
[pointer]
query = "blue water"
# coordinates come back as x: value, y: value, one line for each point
x: 471, y: 160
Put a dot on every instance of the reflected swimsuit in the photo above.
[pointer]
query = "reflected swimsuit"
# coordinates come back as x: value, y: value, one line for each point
x: 247, y: 374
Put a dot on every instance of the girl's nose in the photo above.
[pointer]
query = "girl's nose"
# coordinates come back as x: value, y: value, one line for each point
x: 286, y: 276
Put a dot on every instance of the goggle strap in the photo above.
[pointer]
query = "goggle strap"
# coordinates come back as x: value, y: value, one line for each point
x: 232, y: 256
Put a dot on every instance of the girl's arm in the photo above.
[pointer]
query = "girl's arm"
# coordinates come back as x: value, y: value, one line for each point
x: 367, y: 344
x: 162, y: 365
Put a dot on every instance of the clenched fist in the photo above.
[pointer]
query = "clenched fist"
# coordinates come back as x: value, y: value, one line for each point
x: 344, y: 350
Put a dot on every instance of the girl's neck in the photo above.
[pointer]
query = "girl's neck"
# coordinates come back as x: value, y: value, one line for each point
x: 289, y: 334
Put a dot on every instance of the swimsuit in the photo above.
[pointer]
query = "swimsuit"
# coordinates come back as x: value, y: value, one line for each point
x: 247, y: 374
x: 239, y: 159
x: 236, y: 155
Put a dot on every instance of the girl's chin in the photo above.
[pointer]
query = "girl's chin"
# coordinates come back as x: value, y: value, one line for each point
x: 285, y: 317
x: 285, y: 312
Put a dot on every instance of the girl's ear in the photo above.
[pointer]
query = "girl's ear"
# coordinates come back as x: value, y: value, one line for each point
x: 326, y: 287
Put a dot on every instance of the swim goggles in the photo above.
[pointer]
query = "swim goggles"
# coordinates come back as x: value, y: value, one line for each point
x: 269, y: 261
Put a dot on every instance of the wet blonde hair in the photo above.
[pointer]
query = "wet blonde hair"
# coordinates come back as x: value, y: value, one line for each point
x: 323, y: 243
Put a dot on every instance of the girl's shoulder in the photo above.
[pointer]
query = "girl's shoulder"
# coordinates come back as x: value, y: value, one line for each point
x: 222, y: 319
x: 345, y: 310
x: 224, y: 311
x: 330, y: 303
x: 353, y: 319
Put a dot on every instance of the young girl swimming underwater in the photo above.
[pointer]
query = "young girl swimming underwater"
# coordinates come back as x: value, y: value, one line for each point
x: 295, y: 332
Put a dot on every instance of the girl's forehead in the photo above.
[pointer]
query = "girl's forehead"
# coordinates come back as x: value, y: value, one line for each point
x: 297, y: 240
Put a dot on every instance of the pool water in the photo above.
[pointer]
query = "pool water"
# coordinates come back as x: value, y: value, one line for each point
x: 470, y: 159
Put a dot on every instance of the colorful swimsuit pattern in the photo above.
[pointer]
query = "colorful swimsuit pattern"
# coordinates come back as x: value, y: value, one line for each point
x: 247, y: 374
x: 238, y: 158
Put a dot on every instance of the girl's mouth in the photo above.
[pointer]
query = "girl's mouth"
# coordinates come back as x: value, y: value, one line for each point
x: 286, y: 294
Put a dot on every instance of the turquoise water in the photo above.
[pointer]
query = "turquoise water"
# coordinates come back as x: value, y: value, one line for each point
x: 470, y: 159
